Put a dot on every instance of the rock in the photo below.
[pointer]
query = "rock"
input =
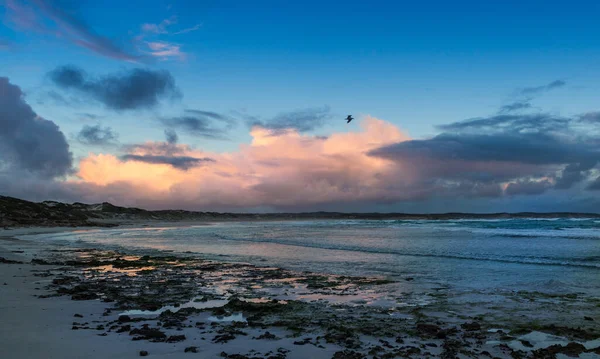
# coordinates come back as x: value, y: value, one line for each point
x: 124, y: 318
x: 124, y: 328
x: 146, y: 333
x: 78, y: 316
x: 347, y: 354
x: 428, y: 329
x: 586, y: 318
x: 572, y: 350
x: 470, y: 327
x: 8, y: 261
x: 191, y: 350
x: 176, y: 338
x: 143, y: 353
x: 526, y: 343
x: 268, y: 336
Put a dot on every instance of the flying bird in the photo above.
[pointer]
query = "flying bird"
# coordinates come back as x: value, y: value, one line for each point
x: 349, y: 118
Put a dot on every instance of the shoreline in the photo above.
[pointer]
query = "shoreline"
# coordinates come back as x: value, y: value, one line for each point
x: 253, y: 312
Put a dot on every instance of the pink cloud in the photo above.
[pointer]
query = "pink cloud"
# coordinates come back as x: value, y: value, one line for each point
x: 285, y: 170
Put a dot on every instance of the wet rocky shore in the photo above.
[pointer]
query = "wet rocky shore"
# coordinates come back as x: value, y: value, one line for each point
x: 241, y: 311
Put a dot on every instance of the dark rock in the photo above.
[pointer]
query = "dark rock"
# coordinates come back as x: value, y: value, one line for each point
x: 143, y: 353
x: 588, y: 318
x: 124, y: 318
x: 78, y: 316
x: 124, y: 328
x: 175, y: 338
x: 303, y: 341
x: 146, y: 333
x: 223, y: 338
x: 572, y: 350
x: 191, y: 350
x: 268, y: 336
x: 471, y: 326
x: 8, y: 261
x: 526, y: 343
x: 427, y: 329
x: 347, y: 354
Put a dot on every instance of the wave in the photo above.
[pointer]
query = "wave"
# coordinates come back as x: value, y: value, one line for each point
x: 523, y: 260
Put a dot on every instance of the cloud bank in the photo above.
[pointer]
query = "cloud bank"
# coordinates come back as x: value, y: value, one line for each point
x: 29, y: 142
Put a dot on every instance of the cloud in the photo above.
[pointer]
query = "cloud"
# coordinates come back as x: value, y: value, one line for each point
x: 201, y: 123
x: 179, y: 162
x: 133, y: 89
x: 27, y: 141
x: 544, y: 88
x: 592, y: 117
x: 53, y: 17
x: 528, y: 187
x: 515, y: 106
x: 528, y: 153
x: 96, y: 135
x: 301, y: 120
x: 189, y: 29
x: 162, y: 28
x: 171, y: 136
x: 165, y: 50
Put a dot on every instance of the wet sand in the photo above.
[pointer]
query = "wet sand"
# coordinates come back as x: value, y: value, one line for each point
x: 71, y: 303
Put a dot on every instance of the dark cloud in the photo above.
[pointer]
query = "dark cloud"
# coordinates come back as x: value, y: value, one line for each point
x: 96, y: 135
x: 532, y: 152
x: 179, y: 162
x: 128, y: 90
x: 511, y: 123
x: 88, y: 116
x: 202, y: 123
x: 574, y: 173
x: 528, y: 187
x: 300, y: 120
x: 544, y: 88
x: 594, y: 185
x: 171, y: 136
x: 515, y: 106
x: 27, y: 141
x: 592, y: 117
x: 62, y: 19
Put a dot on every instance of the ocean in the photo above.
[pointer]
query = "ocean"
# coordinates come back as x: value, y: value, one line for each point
x: 487, y: 256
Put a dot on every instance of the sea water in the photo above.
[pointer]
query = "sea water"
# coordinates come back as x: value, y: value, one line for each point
x: 547, y: 255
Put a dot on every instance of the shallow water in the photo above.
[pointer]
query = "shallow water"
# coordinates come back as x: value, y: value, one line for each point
x: 546, y: 255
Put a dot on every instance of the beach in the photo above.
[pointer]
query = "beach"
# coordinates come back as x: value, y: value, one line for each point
x: 79, y: 298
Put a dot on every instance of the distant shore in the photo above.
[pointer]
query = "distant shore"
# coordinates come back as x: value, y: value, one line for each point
x: 73, y: 302
x: 15, y: 213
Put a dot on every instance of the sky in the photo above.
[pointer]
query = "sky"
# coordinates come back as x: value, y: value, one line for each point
x: 463, y: 106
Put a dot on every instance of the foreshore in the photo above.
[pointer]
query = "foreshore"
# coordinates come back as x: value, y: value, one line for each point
x: 69, y: 302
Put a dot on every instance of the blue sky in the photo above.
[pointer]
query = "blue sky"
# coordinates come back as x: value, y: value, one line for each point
x: 414, y: 65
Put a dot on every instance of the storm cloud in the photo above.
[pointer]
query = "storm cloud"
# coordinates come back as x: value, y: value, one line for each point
x: 128, y: 90
x: 27, y: 141
x: 531, y: 153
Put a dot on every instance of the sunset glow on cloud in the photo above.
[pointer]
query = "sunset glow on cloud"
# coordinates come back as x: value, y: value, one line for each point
x: 203, y: 107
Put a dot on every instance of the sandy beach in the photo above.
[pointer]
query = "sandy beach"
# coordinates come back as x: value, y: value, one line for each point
x: 59, y: 302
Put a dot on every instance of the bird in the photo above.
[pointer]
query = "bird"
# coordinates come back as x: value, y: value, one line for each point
x: 349, y: 118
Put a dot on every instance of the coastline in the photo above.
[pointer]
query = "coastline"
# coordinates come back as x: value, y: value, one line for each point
x: 314, y: 315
